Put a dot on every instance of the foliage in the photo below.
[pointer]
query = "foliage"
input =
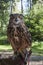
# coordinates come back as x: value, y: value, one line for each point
x: 34, y: 1
x: 35, y: 22
x: 3, y: 15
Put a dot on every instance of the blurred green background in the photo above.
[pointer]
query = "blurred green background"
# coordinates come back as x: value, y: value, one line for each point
x: 33, y: 17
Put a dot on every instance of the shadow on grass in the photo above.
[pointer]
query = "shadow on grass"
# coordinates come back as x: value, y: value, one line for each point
x: 5, y: 46
x: 4, y: 42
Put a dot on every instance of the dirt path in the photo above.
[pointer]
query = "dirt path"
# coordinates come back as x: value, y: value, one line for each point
x: 36, y: 63
x: 34, y: 59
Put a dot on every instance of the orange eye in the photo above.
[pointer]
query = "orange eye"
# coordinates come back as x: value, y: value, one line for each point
x: 20, y: 17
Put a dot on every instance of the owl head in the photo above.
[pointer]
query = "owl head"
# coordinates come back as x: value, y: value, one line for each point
x: 16, y: 18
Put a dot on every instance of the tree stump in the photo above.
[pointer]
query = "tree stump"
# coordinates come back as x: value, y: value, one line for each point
x: 10, y: 59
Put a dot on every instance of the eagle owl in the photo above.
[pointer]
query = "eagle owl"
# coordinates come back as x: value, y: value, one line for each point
x: 18, y: 34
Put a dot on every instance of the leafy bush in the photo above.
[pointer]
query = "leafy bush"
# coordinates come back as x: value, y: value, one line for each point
x: 4, y: 16
x: 34, y: 22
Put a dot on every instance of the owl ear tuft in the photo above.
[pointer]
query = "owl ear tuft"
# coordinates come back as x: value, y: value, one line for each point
x: 11, y: 16
x: 21, y: 15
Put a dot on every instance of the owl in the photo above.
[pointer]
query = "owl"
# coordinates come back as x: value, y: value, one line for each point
x: 18, y: 33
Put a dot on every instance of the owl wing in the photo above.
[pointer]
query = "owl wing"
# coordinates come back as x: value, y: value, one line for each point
x: 24, y: 36
x: 26, y: 33
x: 28, y: 36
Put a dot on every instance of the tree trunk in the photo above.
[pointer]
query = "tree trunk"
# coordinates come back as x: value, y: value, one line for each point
x: 22, y: 6
x: 30, y: 4
x: 11, y: 6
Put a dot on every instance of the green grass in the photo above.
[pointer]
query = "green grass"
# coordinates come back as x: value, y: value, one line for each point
x: 3, y: 37
x: 37, y: 47
x: 5, y: 48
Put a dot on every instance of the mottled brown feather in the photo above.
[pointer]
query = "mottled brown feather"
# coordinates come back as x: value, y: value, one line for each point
x: 18, y: 34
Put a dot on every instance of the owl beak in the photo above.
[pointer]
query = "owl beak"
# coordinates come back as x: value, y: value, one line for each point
x: 16, y: 19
